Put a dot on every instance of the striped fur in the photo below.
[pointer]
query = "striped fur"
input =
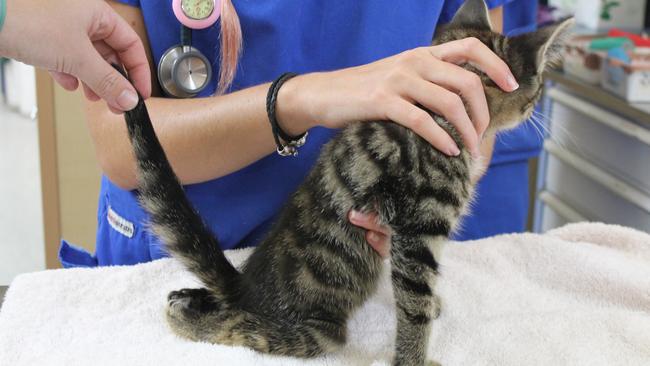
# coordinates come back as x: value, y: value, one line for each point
x: 299, y: 287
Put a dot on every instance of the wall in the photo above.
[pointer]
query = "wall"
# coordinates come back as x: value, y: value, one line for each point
x: 79, y: 174
x: 70, y: 174
x: 21, y: 92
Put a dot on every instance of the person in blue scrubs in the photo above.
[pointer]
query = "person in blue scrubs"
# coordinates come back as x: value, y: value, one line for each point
x: 221, y: 146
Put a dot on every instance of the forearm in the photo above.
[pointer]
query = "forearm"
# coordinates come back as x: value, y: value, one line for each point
x: 204, y: 138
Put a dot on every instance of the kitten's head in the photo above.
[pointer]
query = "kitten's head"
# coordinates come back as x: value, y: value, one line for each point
x: 527, y: 55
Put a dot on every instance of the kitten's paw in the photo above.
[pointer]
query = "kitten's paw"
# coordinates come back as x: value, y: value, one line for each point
x: 190, y: 303
x: 435, y: 305
x: 190, y: 311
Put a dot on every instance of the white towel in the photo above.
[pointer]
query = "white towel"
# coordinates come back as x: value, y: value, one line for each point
x: 579, y: 295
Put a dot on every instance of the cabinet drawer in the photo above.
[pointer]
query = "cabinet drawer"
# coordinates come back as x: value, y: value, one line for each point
x: 613, y: 143
x: 551, y: 219
x: 590, y: 198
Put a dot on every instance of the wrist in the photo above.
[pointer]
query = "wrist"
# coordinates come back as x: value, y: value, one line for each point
x: 293, y: 107
x: 16, y: 41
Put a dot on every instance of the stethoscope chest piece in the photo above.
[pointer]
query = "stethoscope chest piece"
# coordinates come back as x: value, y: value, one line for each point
x: 183, y: 71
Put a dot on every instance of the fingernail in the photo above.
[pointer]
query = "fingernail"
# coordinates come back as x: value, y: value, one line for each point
x: 512, y: 83
x: 453, y: 150
x: 127, y: 100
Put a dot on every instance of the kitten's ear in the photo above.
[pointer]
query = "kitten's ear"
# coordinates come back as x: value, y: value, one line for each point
x: 550, y: 42
x: 473, y: 13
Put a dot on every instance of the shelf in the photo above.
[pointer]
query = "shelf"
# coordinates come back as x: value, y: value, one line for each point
x: 600, y: 115
x: 638, y: 112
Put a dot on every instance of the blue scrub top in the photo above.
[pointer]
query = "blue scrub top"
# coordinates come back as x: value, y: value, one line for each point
x: 281, y: 35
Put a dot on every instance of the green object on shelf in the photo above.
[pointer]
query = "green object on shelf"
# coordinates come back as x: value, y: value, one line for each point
x: 607, y: 6
x: 608, y: 43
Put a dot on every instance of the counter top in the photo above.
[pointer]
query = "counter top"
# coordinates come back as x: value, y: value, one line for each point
x: 638, y: 112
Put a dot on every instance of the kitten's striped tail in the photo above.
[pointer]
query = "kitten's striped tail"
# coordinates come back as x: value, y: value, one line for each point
x: 173, y: 218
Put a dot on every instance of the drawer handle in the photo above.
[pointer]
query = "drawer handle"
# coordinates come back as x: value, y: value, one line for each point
x: 567, y: 212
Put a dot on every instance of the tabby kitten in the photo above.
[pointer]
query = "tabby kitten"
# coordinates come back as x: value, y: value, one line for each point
x: 297, y: 290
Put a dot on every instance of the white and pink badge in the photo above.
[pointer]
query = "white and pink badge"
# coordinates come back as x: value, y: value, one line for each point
x: 197, y: 14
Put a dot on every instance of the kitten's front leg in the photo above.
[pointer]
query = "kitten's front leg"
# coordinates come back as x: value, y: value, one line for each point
x: 436, y: 307
x: 413, y: 276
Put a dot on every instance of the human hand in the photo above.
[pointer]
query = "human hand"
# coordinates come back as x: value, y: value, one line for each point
x: 391, y: 89
x: 76, y: 40
x: 378, y: 236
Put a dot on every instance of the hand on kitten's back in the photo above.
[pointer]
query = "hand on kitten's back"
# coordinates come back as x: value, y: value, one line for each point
x: 394, y: 88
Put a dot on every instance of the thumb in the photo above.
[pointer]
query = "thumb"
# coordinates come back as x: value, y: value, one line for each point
x: 107, y: 82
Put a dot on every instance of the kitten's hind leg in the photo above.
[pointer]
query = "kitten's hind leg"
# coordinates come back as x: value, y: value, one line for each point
x: 199, y: 315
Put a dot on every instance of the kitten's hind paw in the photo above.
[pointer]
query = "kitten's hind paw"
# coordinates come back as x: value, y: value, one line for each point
x: 193, y: 313
x: 191, y: 302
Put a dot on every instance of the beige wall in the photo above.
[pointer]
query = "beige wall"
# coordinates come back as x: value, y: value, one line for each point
x: 69, y: 173
x: 78, y: 172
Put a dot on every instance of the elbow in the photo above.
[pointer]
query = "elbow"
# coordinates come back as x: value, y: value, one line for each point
x: 113, y: 151
x: 124, y: 183
x: 118, y: 172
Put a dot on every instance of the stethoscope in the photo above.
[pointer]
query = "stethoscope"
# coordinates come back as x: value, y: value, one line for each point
x: 183, y: 71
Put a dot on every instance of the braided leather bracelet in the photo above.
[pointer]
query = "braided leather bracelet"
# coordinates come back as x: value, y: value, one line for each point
x: 287, y: 145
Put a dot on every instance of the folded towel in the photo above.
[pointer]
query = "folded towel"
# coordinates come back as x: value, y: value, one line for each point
x: 578, y: 295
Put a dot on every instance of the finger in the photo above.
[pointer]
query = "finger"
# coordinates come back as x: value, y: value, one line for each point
x: 106, y: 82
x: 90, y: 95
x: 464, y: 83
x: 447, y: 104
x: 368, y: 221
x: 477, y: 53
x: 422, y: 123
x: 120, y: 37
x: 68, y: 82
x: 379, y: 242
x: 106, y: 52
